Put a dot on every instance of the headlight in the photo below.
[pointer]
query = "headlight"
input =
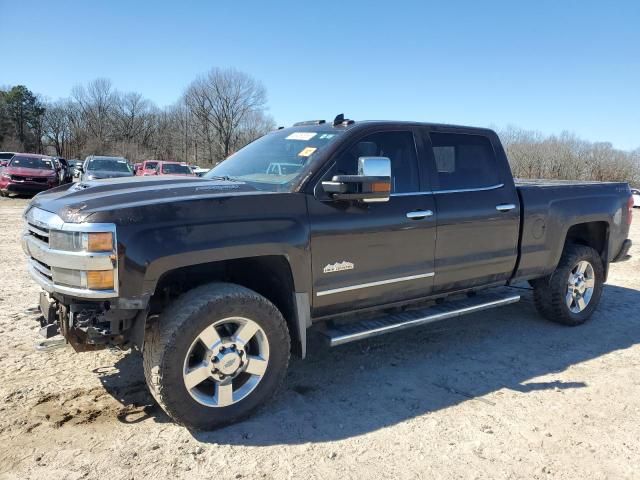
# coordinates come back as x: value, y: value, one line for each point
x: 81, y: 241
x: 92, y: 279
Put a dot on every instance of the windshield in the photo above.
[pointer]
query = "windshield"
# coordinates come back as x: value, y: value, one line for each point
x: 6, y: 156
x: 32, y: 162
x: 175, y: 168
x: 150, y: 165
x: 275, y: 160
x: 108, y: 165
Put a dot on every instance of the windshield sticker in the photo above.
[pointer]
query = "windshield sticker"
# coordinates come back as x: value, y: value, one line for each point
x: 307, y: 152
x: 326, y: 136
x: 305, y: 136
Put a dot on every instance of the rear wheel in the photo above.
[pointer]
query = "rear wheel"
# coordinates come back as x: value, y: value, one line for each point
x: 215, y: 355
x: 572, y: 292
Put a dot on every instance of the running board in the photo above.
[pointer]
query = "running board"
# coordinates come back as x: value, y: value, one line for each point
x: 350, y: 332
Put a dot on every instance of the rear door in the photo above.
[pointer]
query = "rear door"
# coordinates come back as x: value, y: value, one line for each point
x: 367, y: 254
x: 478, y: 210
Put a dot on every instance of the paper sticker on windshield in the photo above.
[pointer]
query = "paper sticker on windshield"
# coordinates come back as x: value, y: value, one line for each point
x: 327, y: 136
x: 307, y: 152
x: 301, y: 136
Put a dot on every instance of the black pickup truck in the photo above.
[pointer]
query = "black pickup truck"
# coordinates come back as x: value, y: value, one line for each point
x: 354, y: 228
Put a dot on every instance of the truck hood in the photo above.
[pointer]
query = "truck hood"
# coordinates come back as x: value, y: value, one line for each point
x: 107, y: 174
x: 78, y: 202
x: 28, y: 172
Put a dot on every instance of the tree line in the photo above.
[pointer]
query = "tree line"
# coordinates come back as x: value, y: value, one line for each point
x: 567, y: 157
x: 218, y: 113
x: 223, y: 110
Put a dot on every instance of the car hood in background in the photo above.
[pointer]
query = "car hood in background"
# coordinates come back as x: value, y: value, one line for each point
x: 28, y: 172
x: 107, y: 174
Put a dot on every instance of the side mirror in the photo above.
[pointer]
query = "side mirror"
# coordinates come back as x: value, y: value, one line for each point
x: 4, y: 163
x: 372, y: 184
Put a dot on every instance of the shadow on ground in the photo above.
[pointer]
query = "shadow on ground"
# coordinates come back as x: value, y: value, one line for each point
x: 362, y: 387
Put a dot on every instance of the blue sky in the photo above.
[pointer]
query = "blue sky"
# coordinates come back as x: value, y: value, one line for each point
x: 541, y: 65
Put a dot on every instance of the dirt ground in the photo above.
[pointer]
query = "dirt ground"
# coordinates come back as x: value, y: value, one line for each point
x: 500, y: 394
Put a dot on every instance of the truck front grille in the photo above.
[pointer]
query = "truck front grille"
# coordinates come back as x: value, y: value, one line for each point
x: 42, y: 268
x: 21, y: 178
x: 40, y: 233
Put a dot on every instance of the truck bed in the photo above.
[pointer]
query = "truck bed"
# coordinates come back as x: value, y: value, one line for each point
x: 549, y: 207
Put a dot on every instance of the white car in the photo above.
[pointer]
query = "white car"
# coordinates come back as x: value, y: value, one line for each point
x: 636, y: 197
x: 200, y: 171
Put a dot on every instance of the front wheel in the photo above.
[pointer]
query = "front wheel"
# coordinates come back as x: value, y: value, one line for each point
x: 215, y: 355
x: 572, y: 292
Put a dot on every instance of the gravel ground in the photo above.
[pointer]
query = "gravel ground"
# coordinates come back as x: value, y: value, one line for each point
x: 501, y: 394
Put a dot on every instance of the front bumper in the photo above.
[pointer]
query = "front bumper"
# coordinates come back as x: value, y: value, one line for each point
x: 26, y: 187
x: 624, y: 250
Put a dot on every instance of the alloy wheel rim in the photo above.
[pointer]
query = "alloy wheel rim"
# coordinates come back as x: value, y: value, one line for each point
x: 580, y: 286
x: 226, y: 362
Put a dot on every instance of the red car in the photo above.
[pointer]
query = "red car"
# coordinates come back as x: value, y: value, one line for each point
x: 29, y: 173
x: 173, y: 168
x: 148, y: 167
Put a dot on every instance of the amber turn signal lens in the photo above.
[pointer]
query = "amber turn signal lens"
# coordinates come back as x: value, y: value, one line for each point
x: 100, y: 242
x: 100, y: 279
x: 380, y: 187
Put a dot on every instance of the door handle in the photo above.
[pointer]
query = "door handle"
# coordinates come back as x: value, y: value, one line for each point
x: 419, y: 214
x: 505, y: 207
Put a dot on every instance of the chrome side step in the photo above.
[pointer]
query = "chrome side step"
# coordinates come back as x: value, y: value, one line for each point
x: 350, y: 332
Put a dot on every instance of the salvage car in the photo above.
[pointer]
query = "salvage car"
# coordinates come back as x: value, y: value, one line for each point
x: 29, y: 173
x: 148, y: 167
x: 5, y: 157
x: 354, y: 229
x: 173, y: 168
x: 97, y: 167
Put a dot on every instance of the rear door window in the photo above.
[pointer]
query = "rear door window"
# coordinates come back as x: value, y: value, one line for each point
x: 464, y: 161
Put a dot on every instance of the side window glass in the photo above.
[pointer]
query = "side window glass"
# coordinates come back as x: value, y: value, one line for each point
x: 464, y: 161
x: 399, y: 147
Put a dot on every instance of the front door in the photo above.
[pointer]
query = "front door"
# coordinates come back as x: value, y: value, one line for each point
x: 367, y: 254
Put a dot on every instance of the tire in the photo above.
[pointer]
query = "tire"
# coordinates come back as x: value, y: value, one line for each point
x: 172, y: 342
x: 3, y: 193
x: 550, y: 295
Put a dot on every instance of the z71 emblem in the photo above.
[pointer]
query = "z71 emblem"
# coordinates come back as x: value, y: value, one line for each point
x: 338, y: 267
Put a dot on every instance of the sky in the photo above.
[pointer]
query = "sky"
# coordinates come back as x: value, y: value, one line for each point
x: 541, y: 65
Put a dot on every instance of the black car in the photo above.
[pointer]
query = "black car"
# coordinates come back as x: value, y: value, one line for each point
x: 97, y: 167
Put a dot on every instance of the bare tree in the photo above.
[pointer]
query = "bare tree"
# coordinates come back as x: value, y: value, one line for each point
x: 221, y: 101
x: 57, y: 126
x: 96, y: 105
